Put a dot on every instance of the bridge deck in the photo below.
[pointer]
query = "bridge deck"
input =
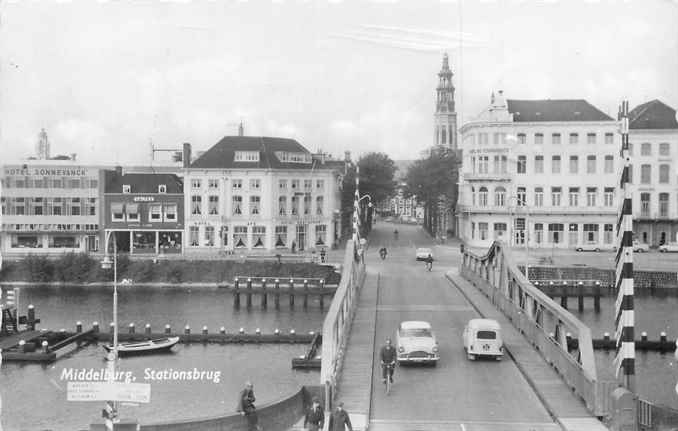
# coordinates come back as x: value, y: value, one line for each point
x: 559, y: 399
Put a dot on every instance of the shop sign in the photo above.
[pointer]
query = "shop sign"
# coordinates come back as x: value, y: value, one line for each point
x: 144, y: 198
x: 47, y: 172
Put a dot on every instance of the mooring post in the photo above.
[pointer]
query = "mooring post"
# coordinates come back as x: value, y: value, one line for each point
x: 31, y: 317
x: 264, y: 297
x: 596, y: 297
x: 291, y: 293
x: 111, y: 328
x: 236, y: 293
x: 563, y: 297
x: 45, y: 346
x: 322, y: 297
x: 249, y: 293
x: 204, y: 334
x: 187, y: 330
x: 305, y: 294
x: 277, y: 294
x: 580, y: 301
x: 78, y: 326
x: 293, y: 334
x: 147, y: 329
x: 643, y: 336
x: 131, y: 328
x: 168, y: 329
x: 95, y: 327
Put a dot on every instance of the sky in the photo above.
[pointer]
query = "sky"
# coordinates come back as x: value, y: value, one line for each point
x: 107, y: 78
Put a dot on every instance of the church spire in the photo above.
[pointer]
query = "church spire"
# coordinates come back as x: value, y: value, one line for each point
x: 445, y: 115
x: 445, y: 89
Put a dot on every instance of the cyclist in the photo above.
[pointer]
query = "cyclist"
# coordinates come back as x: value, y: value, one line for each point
x: 395, y: 234
x: 383, y: 252
x: 388, y: 358
x: 429, y: 262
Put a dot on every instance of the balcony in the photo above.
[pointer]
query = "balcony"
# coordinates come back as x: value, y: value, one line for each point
x: 490, y: 176
x: 532, y: 210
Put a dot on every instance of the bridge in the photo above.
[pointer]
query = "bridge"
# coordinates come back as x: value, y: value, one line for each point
x: 539, y: 386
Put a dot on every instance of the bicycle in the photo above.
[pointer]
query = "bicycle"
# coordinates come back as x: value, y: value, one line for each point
x: 382, y: 253
x: 389, y: 375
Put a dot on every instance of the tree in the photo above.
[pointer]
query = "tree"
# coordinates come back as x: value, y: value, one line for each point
x: 433, y: 180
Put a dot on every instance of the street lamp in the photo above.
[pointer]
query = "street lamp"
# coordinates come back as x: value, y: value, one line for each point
x: 112, y: 356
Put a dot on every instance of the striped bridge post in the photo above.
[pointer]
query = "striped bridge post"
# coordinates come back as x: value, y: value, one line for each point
x: 624, y: 320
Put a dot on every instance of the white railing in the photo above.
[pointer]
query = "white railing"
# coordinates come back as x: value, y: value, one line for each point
x: 543, y: 322
x: 337, y: 324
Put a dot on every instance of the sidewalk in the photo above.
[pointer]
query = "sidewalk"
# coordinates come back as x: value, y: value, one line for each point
x: 563, y: 405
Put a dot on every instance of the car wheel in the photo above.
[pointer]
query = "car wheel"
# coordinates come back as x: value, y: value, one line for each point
x: 661, y: 250
x: 471, y: 357
x: 597, y: 249
x: 579, y: 249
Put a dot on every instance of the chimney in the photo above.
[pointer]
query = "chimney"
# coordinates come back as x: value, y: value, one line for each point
x: 241, y: 130
x: 118, y: 171
x: 186, y: 157
x: 347, y: 156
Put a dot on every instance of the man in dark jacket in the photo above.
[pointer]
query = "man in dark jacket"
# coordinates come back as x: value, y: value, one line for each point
x: 339, y: 419
x: 315, y: 417
x: 246, y: 407
x: 388, y: 357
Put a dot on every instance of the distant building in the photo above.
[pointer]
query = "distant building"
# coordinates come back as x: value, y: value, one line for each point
x: 542, y: 171
x: 402, y: 206
x: 653, y: 136
x: 445, y: 115
x: 49, y: 207
x: 261, y: 194
x: 144, y: 212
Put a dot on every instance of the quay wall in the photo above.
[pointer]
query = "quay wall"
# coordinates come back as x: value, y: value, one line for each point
x: 642, y: 279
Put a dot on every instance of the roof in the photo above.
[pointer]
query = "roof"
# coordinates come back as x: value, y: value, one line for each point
x: 222, y: 154
x: 484, y: 323
x: 653, y: 115
x: 555, y: 110
x: 414, y: 324
x: 142, y: 183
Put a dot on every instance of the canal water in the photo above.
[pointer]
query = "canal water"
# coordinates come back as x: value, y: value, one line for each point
x: 34, y: 396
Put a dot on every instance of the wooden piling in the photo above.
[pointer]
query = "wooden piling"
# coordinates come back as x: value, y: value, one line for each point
x: 236, y: 293
x: 580, y: 302
x: 249, y: 293
x: 264, y: 297
x: 31, y: 317
x: 168, y: 329
x: 596, y: 298
x: 147, y: 329
x: 305, y: 294
x: 291, y: 293
x: 563, y: 298
x: 277, y: 294
x: 322, y: 297
x: 78, y: 327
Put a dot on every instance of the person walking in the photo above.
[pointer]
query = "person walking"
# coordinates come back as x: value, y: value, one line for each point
x: 429, y: 262
x: 339, y: 419
x: 246, y: 407
x: 315, y: 417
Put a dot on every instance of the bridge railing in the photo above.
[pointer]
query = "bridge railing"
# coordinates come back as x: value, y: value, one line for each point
x: 337, y: 323
x: 543, y: 322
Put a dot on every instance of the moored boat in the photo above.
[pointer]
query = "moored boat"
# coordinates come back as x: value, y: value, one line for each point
x: 145, y: 347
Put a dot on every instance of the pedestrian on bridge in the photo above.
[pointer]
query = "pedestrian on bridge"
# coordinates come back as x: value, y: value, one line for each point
x: 339, y: 419
x: 246, y: 407
x: 315, y: 417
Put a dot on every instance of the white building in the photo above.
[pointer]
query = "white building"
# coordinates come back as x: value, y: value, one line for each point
x: 653, y: 137
x: 258, y: 193
x: 550, y: 167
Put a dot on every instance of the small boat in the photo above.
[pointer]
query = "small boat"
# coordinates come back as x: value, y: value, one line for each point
x: 144, y: 347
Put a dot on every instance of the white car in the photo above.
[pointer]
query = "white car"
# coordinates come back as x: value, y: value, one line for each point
x: 668, y: 248
x: 640, y: 247
x: 593, y: 246
x: 482, y: 337
x: 416, y: 343
x: 423, y: 253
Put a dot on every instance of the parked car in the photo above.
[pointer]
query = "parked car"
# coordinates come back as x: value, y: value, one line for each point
x: 640, y: 247
x: 482, y: 337
x: 422, y: 253
x: 416, y: 343
x: 670, y: 247
x: 594, y: 246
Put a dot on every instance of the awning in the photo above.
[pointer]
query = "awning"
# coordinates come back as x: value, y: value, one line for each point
x: 116, y: 208
x: 132, y: 208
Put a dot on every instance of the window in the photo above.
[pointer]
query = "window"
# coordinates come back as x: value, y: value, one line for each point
x: 237, y: 205
x: 663, y: 204
x: 499, y: 197
x: 664, y: 171
x: 609, y: 138
x: 126, y: 188
x: 308, y: 184
x: 591, y: 233
x: 482, y: 197
x: 590, y: 164
x: 521, y: 195
x: 320, y: 234
x: 240, y: 236
x: 591, y: 138
x: 473, y: 196
x: 196, y: 184
x: 56, y: 210
x: 646, y: 149
x: 320, y: 184
x: 255, y: 184
x: 295, y: 205
x: 482, y: 228
x: 282, y: 184
x: 500, y: 164
x: 56, y: 183
x: 155, y: 213
x: 555, y: 164
x: 573, y: 234
x: 116, y: 210
x: 255, y: 205
x: 499, y: 230
x: 522, y: 138
x: 483, y: 164
x: 556, y: 231
x: 236, y: 184
x: 574, y: 164
x: 196, y: 204
x: 556, y: 194
x: 258, y: 236
x: 630, y: 149
x: 591, y: 193
x: 162, y: 189
x: 63, y: 242
x: 609, y: 233
x: 307, y: 204
x: 609, y: 196
x: 295, y: 184
x: 319, y: 203
x: 213, y: 204
x: 246, y: 156
x: 37, y: 206
x: 521, y: 167
x: 630, y: 174
x: 574, y: 138
x: 645, y: 174
x: 281, y: 236
x: 555, y: 139
x: 74, y: 183
x: 539, y: 233
x: 194, y: 236
x: 609, y: 164
x: 538, y: 138
x: 538, y: 164
x: 282, y: 205
x: 171, y: 212
x: 92, y: 204
x: 292, y: 157
x: 209, y: 236
x: 482, y: 138
x: 132, y: 212
x: 539, y: 197
x: 573, y: 196
x: 213, y: 184
x: 645, y: 204
x: 473, y: 230
x: 664, y: 149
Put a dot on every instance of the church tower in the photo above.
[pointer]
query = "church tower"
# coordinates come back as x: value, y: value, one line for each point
x: 445, y: 116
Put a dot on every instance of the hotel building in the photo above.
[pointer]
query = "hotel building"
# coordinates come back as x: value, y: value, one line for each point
x: 541, y: 171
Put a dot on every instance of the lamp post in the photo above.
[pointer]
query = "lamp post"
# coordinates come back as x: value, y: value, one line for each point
x: 112, y: 356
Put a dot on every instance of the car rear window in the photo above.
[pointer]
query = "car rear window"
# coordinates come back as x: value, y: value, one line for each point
x: 486, y: 335
x: 415, y: 332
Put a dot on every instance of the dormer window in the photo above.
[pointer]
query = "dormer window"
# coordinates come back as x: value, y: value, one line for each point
x: 126, y: 188
x: 162, y: 188
x: 246, y: 156
x: 291, y: 157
